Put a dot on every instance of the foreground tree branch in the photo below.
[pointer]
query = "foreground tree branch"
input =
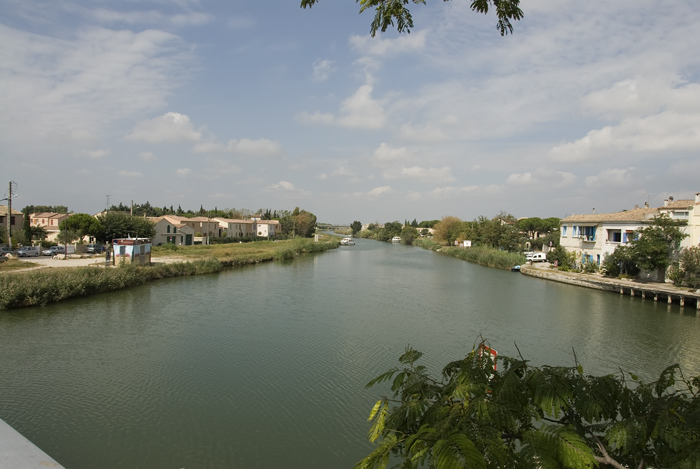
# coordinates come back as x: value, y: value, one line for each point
x: 504, y: 413
x: 390, y: 13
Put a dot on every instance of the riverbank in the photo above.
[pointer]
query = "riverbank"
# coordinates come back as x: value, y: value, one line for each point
x: 488, y: 257
x: 38, y: 287
x: 646, y: 290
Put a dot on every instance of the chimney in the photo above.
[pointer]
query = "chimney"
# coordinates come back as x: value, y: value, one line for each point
x: 646, y: 204
x: 593, y: 210
x: 697, y: 198
x: 670, y: 198
x: 636, y: 206
x: 666, y: 203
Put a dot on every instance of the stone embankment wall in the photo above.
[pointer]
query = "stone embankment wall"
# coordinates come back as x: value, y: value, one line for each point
x: 646, y: 290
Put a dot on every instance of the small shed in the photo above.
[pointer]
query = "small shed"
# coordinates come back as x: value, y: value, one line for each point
x: 132, y: 251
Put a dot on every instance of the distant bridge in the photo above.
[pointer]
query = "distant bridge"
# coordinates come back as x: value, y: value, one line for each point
x: 329, y: 227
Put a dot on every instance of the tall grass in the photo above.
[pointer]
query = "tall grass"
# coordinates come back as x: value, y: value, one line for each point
x: 481, y: 255
x: 44, y: 286
x: 40, y: 287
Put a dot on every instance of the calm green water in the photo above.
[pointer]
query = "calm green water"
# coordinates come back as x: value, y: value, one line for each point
x: 265, y: 366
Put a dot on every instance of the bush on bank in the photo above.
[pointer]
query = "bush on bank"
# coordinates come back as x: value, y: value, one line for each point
x: 481, y: 255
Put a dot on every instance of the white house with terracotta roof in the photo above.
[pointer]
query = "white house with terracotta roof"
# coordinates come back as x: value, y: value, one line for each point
x: 265, y: 228
x: 235, y: 228
x: 594, y: 236
x: 687, y: 210
x: 171, y: 232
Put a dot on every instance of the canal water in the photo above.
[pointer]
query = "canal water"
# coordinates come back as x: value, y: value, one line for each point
x: 265, y: 366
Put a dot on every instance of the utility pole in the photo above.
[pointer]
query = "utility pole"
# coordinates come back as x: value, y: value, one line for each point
x: 9, y: 214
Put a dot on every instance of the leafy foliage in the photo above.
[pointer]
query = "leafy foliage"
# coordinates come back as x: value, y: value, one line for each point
x: 656, y: 244
x: 121, y: 225
x: 389, y: 11
x: 506, y: 413
x: 688, y: 269
x: 408, y: 234
x: 355, y: 226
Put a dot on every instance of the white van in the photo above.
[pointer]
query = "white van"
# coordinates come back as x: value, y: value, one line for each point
x: 537, y: 257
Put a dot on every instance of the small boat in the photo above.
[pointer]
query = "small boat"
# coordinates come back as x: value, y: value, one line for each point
x: 396, y: 239
x: 347, y: 242
x: 515, y: 268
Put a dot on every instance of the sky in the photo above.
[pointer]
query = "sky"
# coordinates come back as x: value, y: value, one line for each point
x: 253, y: 104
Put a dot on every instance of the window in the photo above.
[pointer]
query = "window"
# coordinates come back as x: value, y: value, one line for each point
x: 174, y: 229
x: 167, y: 230
x: 563, y: 230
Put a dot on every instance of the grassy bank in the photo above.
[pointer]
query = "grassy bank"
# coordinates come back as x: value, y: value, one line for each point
x: 481, y: 255
x: 51, y: 285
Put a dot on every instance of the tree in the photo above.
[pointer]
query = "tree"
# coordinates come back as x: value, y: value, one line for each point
x: 654, y: 247
x: 122, y: 225
x: 391, y: 229
x: 504, y: 413
x: 67, y: 236
x: 688, y: 270
x: 355, y: 226
x: 447, y: 230
x: 38, y: 232
x: 388, y: 11
x: 408, y: 234
x: 81, y: 223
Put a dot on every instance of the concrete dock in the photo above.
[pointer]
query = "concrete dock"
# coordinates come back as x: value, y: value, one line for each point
x: 17, y: 452
x: 660, y: 292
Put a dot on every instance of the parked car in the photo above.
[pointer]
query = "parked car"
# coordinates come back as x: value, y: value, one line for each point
x: 95, y: 248
x: 53, y: 250
x: 28, y: 251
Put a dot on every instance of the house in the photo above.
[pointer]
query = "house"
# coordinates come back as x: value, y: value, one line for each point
x: 593, y: 236
x: 687, y: 210
x: 171, y: 232
x: 201, y: 226
x: 265, y: 228
x: 50, y: 221
x: 234, y: 228
x: 15, y: 221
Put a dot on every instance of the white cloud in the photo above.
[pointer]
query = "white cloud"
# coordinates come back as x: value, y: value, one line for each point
x: 379, y: 191
x: 322, y: 68
x: 667, y: 131
x: 287, y: 188
x: 419, y: 173
x: 614, y: 177
x: 543, y: 178
x: 452, y: 192
x: 183, y: 172
x: 82, y: 85
x: 360, y: 111
x: 245, y: 146
x: 172, y: 127
x: 385, y: 153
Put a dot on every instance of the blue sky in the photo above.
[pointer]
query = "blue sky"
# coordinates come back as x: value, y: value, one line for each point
x: 261, y: 104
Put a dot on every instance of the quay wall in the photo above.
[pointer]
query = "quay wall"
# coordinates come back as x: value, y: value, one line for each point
x: 645, y: 290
